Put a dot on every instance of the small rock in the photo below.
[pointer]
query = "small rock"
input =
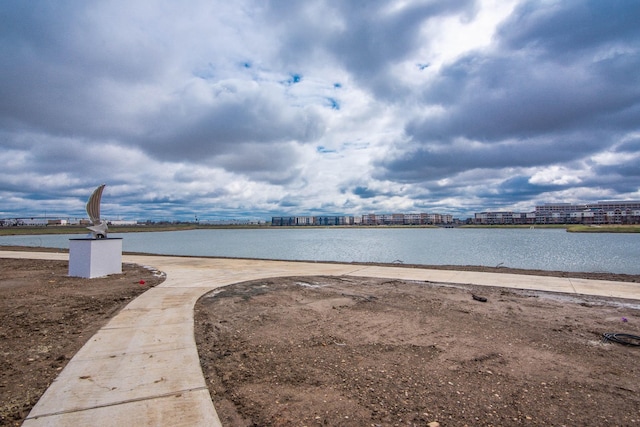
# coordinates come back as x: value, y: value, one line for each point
x: 433, y: 424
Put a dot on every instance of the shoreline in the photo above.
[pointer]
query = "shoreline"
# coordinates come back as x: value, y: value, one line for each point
x: 617, y: 277
x: 71, y: 229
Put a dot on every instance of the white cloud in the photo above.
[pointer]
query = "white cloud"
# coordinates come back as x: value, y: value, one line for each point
x: 609, y: 158
x: 244, y: 108
x: 554, y: 175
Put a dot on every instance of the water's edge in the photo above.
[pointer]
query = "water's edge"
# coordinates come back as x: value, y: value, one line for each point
x: 543, y: 250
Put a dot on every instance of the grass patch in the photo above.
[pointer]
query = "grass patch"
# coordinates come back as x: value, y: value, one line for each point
x: 523, y: 226
x: 604, y: 229
x: 73, y: 229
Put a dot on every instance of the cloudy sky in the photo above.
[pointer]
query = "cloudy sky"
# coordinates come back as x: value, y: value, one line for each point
x: 252, y: 108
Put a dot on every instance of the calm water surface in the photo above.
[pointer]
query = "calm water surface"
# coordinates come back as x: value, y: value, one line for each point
x: 545, y: 249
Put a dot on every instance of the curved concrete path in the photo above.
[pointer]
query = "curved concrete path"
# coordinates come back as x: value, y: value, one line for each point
x: 142, y: 368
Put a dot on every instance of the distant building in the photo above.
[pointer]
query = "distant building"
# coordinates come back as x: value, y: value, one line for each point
x: 232, y: 222
x: 55, y: 222
x: 21, y: 222
x: 367, y: 219
x: 504, y: 218
x: 33, y: 221
x: 324, y: 220
x: 121, y: 222
x: 610, y: 212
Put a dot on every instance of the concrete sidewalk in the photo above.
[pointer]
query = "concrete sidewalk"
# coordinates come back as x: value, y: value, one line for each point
x: 142, y: 368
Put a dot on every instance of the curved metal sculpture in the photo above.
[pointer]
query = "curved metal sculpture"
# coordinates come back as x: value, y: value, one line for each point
x: 99, y: 227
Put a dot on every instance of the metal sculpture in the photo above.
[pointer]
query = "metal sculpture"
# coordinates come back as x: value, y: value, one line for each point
x: 99, y: 227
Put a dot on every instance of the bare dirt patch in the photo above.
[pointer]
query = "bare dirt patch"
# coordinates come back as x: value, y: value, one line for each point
x: 313, y: 351
x: 368, y: 352
x: 46, y: 317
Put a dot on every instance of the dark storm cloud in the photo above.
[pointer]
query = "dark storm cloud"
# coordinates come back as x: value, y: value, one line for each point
x: 272, y: 164
x: 518, y: 188
x: 65, y: 67
x: 492, y: 98
x: 364, y: 192
x: 549, y: 92
x: 630, y: 146
x: 441, y: 160
x: 571, y: 27
x: 364, y: 37
x: 198, y: 131
x: 376, y: 39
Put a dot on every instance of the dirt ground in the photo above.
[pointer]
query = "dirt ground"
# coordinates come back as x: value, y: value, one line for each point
x: 372, y: 352
x: 46, y: 317
x: 348, y: 351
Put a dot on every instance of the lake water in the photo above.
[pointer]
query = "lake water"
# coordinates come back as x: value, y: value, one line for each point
x: 544, y: 249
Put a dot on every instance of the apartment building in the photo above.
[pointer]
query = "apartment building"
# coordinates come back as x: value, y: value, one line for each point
x: 505, y: 218
x: 610, y: 212
x: 285, y: 221
x: 367, y: 219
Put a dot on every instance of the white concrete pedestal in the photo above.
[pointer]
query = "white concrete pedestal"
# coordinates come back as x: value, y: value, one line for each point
x: 91, y: 258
